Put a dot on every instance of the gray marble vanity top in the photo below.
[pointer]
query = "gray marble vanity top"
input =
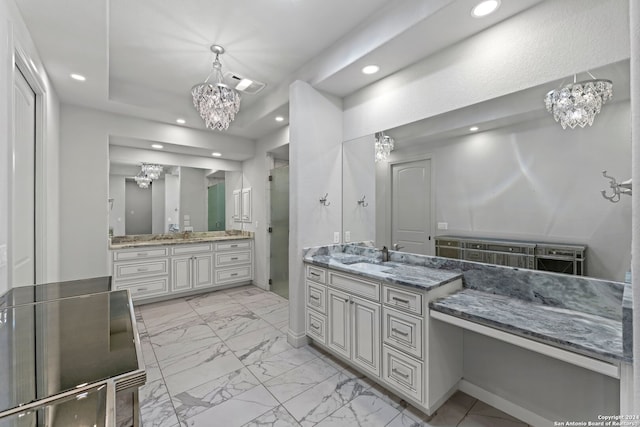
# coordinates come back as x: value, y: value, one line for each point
x: 390, y: 272
x: 583, y: 333
x: 143, y: 240
x: 580, y: 314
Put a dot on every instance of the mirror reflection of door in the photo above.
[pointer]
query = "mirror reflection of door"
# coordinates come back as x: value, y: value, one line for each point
x: 138, y: 209
x: 411, y: 206
x: 216, y: 207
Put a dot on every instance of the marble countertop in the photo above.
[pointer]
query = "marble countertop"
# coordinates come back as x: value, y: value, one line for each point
x: 583, y: 333
x: 142, y: 240
x: 390, y: 272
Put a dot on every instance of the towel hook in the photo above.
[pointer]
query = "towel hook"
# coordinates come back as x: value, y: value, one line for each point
x: 362, y: 203
x: 323, y: 200
x: 617, y: 187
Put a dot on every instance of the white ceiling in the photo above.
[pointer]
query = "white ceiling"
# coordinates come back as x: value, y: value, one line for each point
x: 142, y: 57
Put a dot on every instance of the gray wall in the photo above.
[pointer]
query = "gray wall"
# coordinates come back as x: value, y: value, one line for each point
x: 117, y: 212
x: 358, y: 174
x: 171, y: 200
x: 157, y: 206
x: 193, y: 198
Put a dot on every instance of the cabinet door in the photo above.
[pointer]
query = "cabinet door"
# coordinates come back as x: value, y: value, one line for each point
x: 181, y: 273
x: 338, y: 338
x: 365, y: 334
x: 246, y: 205
x: 202, y: 270
x: 237, y: 205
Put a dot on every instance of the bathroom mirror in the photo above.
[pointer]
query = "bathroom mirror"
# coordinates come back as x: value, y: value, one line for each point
x: 182, y: 198
x: 518, y: 176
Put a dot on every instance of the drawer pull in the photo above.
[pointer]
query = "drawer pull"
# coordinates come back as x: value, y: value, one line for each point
x: 233, y: 274
x: 141, y: 269
x: 398, y: 331
x: 314, y: 274
x: 405, y: 301
x: 233, y: 246
x: 142, y: 254
x: 314, y: 297
x: 234, y: 258
x: 141, y: 289
x: 402, y: 374
x: 316, y: 327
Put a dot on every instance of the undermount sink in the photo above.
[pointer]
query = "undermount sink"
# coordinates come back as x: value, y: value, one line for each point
x: 367, y: 266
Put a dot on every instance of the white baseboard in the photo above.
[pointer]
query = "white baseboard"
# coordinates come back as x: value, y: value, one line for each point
x: 297, y: 340
x: 504, y: 405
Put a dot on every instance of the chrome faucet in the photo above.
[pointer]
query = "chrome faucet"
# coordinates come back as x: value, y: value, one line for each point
x: 385, y: 254
x: 397, y: 247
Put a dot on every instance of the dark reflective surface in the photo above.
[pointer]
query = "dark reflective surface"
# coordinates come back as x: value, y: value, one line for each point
x: 83, y: 409
x: 52, y: 291
x: 53, y: 346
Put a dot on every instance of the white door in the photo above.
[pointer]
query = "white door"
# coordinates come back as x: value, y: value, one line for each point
x: 23, y: 203
x: 181, y: 272
x: 411, y: 206
x: 339, y: 323
x: 366, y: 334
x: 202, y: 270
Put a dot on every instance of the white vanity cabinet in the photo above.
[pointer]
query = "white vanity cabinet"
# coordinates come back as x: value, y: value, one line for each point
x: 384, y: 330
x: 160, y: 272
x: 191, y: 266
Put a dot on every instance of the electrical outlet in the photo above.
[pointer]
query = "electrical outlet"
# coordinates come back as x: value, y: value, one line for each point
x: 347, y: 236
x: 443, y: 226
x: 336, y: 237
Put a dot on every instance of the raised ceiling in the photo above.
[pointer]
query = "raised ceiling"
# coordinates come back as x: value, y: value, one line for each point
x: 142, y: 57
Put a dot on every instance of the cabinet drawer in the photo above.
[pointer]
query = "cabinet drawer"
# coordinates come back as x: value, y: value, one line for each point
x: 227, y: 246
x: 402, y: 331
x: 125, y: 271
x: 355, y: 286
x: 402, y: 372
x: 146, y: 288
x: 403, y: 299
x: 126, y: 255
x: 317, y: 297
x: 233, y: 258
x: 231, y: 275
x: 316, y: 326
x: 316, y: 274
x: 191, y: 249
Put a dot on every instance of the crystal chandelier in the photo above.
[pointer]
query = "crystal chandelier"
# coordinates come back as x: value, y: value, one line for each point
x: 216, y: 102
x: 151, y: 170
x: 142, y: 180
x: 577, y: 104
x: 383, y: 146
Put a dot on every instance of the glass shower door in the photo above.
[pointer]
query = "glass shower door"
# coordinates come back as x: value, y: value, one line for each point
x: 280, y: 231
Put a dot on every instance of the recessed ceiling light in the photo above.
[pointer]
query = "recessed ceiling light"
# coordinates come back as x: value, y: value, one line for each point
x: 474, y: 128
x: 484, y: 8
x: 78, y: 77
x: 156, y: 146
x: 243, y: 84
x: 181, y: 121
x: 216, y: 154
x: 370, y: 69
x: 279, y: 119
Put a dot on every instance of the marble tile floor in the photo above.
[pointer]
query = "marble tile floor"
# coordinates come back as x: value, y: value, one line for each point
x: 222, y: 359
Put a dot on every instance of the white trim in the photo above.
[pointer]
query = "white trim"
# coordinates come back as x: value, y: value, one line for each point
x: 626, y: 389
x: 605, y: 368
x: 297, y: 340
x: 504, y: 405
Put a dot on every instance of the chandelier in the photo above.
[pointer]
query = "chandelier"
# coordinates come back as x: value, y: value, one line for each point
x: 151, y: 170
x: 384, y: 145
x: 216, y: 102
x: 577, y: 104
x: 142, y: 180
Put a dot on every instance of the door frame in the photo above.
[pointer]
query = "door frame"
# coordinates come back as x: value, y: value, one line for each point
x: 389, y: 197
x: 24, y: 63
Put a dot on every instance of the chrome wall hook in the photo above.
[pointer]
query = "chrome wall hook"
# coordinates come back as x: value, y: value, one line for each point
x: 323, y: 200
x: 617, y: 187
x: 362, y: 203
